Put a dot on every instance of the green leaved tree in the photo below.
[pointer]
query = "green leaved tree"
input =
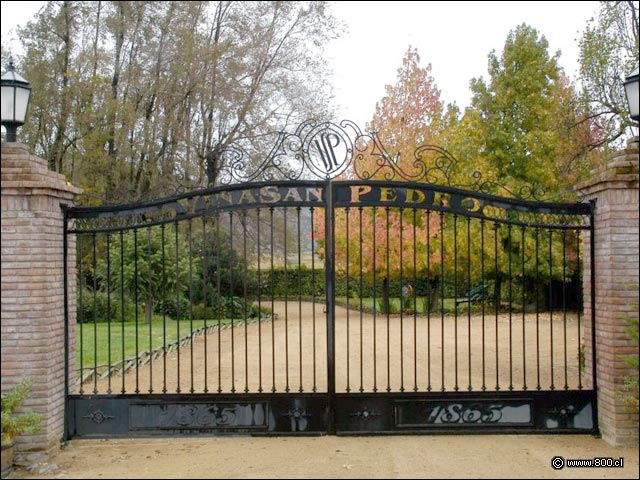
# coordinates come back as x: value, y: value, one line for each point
x: 528, y: 126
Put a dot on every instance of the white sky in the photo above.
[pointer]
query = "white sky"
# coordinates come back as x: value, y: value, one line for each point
x: 455, y: 37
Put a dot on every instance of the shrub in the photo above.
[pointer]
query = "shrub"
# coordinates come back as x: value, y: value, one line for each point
x: 94, y: 306
x: 630, y: 389
x: 12, y: 423
x: 173, y: 306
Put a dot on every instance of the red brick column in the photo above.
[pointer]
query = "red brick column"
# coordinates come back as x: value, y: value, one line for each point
x: 615, y: 190
x: 33, y: 289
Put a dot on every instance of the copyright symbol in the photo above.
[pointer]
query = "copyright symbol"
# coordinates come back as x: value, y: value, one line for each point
x: 557, y: 463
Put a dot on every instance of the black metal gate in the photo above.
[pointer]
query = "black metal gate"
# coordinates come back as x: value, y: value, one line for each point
x: 332, y: 289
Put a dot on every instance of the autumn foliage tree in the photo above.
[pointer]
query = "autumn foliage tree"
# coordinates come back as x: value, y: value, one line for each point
x: 522, y: 128
x: 368, y: 240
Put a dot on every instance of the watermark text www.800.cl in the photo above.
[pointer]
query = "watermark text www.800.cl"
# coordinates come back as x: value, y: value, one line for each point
x: 558, y: 463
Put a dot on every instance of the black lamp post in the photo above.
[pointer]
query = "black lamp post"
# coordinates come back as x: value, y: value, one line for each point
x: 16, y: 92
x: 631, y: 89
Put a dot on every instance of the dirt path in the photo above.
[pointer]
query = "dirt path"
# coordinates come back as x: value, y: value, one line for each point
x: 277, y: 363
x: 448, y: 456
x: 409, y: 353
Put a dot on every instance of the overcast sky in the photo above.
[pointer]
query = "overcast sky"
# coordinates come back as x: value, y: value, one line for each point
x: 455, y: 37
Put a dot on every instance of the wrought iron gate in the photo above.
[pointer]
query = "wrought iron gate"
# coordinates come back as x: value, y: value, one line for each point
x: 333, y: 289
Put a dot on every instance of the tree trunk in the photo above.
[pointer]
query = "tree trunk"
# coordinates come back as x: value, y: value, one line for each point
x: 497, y: 294
x: 58, y: 148
x: 148, y: 310
x: 432, y: 293
x: 385, y: 296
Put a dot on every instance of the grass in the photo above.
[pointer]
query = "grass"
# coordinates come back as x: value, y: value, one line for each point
x: 152, y: 336
x: 149, y: 337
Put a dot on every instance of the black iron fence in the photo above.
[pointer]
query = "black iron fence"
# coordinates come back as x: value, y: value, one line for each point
x: 328, y: 305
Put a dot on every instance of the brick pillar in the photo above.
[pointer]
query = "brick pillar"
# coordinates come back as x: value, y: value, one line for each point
x: 615, y: 190
x: 33, y: 290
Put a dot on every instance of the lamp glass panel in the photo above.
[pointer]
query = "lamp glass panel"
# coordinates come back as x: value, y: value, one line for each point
x: 22, y: 102
x: 6, y: 107
x: 632, y: 97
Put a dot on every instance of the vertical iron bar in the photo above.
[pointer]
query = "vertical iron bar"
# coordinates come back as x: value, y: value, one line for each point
x: 455, y: 298
x: 218, y: 300
x: 122, y: 308
x: 497, y: 297
x: 483, y: 302
x: 579, y: 307
x: 375, y: 306
x: 415, y: 307
x: 524, y: 316
x: 259, y: 303
x: 469, y: 302
x: 361, y: 293
x: 442, y: 297
x: 135, y: 293
x: 205, y: 298
x: 551, y: 303
x: 178, y: 313
x: 95, y: 316
x: 537, y: 294
x: 286, y: 303
x: 429, y: 297
x: 109, y: 313
x: 348, y: 238
x: 231, y: 302
x: 273, y: 335
x: 244, y: 301
x: 564, y: 303
x: 81, y: 302
x: 299, y: 296
x: 330, y: 279
x: 151, y: 317
x: 164, y: 311
x: 313, y: 294
x: 388, y: 248
x: 190, y: 233
x: 401, y: 213
x: 509, y: 252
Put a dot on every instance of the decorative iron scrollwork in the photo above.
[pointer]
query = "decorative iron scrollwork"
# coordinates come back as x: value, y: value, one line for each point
x: 298, y: 418
x: 365, y: 414
x: 563, y: 415
x: 342, y: 150
x: 98, y: 416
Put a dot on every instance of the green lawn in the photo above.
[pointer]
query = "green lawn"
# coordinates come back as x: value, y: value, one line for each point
x: 152, y: 336
x: 149, y: 337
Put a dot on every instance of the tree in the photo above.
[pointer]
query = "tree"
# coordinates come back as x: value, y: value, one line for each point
x: 151, y: 264
x: 140, y: 99
x: 521, y: 120
x: 409, y: 115
x: 411, y: 112
x: 608, y: 52
x: 527, y: 124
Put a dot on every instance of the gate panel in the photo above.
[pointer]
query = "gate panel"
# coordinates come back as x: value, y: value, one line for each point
x: 169, y: 414
x: 444, y: 291
x: 477, y: 412
x: 201, y: 296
